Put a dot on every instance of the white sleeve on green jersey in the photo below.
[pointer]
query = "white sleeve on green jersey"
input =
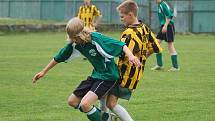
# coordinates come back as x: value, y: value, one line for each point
x: 67, y: 53
x: 74, y: 54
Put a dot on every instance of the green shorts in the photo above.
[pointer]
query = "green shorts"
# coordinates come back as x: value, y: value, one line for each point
x: 121, y: 92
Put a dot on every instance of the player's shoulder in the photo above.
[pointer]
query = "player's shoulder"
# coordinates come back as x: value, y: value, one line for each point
x: 81, y: 7
x: 96, y: 35
x: 164, y: 4
x: 93, y: 6
x: 145, y: 27
x: 128, y: 30
x: 134, y: 28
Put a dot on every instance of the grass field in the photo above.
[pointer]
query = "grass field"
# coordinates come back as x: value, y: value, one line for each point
x: 9, y: 21
x: 188, y: 95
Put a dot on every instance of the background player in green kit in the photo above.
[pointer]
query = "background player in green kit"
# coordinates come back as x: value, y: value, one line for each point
x: 100, y: 50
x: 167, y: 33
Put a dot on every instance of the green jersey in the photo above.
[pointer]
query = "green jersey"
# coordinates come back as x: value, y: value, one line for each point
x: 100, y: 52
x: 164, y: 12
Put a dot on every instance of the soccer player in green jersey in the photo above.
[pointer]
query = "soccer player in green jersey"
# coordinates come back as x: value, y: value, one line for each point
x: 167, y: 33
x: 90, y: 14
x: 100, y: 50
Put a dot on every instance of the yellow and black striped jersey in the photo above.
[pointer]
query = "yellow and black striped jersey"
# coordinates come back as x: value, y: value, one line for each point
x: 140, y: 40
x: 87, y: 14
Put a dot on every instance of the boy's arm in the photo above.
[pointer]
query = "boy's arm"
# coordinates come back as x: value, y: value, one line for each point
x: 166, y: 10
x: 97, y: 17
x: 64, y: 54
x: 79, y: 12
x: 97, y: 20
x: 164, y: 29
x: 133, y: 59
x: 61, y: 56
x: 42, y: 73
x: 152, y: 46
x: 168, y: 15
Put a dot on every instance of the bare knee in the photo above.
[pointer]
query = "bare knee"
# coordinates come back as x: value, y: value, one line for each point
x: 111, y: 101
x: 111, y: 104
x: 171, y: 48
x: 73, y: 101
x: 85, y: 106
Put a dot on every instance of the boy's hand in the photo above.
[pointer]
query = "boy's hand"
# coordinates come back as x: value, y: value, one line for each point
x: 134, y: 60
x: 95, y: 24
x: 164, y: 29
x: 38, y: 76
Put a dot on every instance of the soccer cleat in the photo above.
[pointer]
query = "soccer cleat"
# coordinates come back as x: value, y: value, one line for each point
x: 112, y: 117
x: 84, y: 58
x: 109, y: 116
x: 157, y: 68
x: 172, y: 69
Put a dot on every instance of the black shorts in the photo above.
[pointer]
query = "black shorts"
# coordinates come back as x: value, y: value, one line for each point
x: 99, y: 87
x: 169, y: 35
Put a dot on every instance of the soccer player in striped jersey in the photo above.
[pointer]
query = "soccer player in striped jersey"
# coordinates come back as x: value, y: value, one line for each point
x: 167, y: 33
x: 142, y: 42
x: 89, y: 14
x: 100, y: 50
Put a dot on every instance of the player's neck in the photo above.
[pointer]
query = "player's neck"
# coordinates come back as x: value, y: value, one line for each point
x: 135, y: 21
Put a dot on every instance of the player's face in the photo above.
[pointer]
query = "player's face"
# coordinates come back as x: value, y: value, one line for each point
x: 76, y: 38
x: 125, y: 18
x: 87, y: 2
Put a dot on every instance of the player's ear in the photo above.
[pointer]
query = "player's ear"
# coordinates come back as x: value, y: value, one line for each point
x: 130, y: 14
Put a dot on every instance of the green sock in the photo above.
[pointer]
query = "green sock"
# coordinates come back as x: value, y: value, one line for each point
x: 174, y: 61
x: 105, y: 116
x: 94, y: 115
x: 79, y: 107
x: 159, y: 59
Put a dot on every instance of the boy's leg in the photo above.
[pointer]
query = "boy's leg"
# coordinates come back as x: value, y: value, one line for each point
x: 102, y: 104
x: 74, y: 101
x: 174, y: 61
x: 173, y: 54
x: 81, y: 90
x: 159, y: 65
x: 91, y: 90
x: 105, y: 113
x: 159, y: 59
x: 94, y: 114
x: 88, y: 100
x: 86, y: 105
x: 83, y: 99
x: 99, y: 89
x: 118, y: 109
x: 159, y: 56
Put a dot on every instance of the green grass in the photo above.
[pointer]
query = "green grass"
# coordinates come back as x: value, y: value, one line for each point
x: 9, y: 21
x: 188, y: 95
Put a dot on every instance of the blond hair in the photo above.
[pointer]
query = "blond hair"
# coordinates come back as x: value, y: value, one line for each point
x: 87, y: 0
x: 128, y: 6
x: 74, y: 28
